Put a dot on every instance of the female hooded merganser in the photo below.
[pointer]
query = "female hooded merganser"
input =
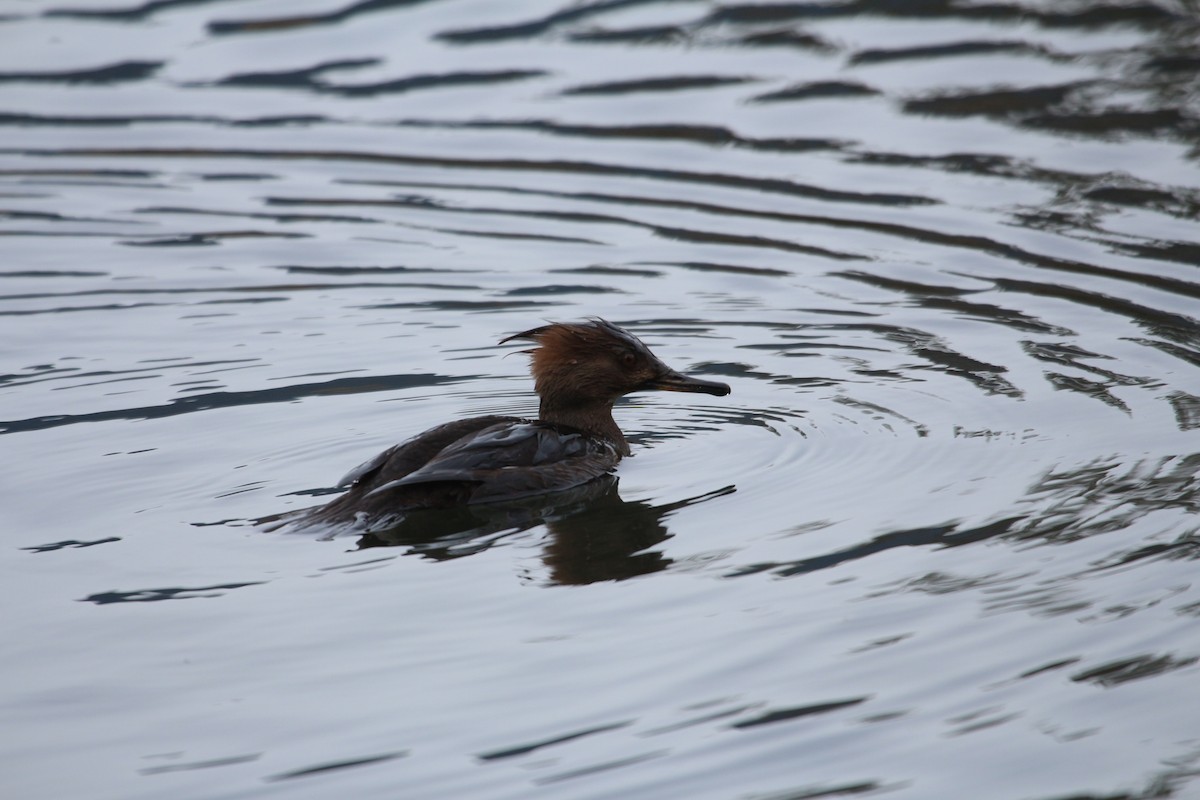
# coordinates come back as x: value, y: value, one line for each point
x: 579, y: 371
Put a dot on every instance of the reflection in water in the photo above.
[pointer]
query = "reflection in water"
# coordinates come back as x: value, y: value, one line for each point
x: 1063, y: 506
x: 170, y: 593
x: 943, y: 535
x: 952, y: 243
x: 594, y: 534
x: 1110, y: 495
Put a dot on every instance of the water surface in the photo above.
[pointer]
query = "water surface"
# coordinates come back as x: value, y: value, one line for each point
x: 939, y: 542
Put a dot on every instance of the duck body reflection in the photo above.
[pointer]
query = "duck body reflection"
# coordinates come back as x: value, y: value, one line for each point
x: 593, y: 534
x: 579, y: 371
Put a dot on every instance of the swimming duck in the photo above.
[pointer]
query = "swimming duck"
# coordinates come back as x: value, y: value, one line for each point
x: 579, y: 371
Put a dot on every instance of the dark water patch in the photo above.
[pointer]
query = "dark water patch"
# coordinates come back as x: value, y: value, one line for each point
x: 50, y: 216
x: 706, y: 266
x: 1094, y: 389
x: 109, y: 381
x: 281, y: 218
x: 333, y: 766
x: 1132, y: 669
x: 122, y: 72
x: 787, y: 37
x: 521, y: 237
x: 52, y: 273
x: 817, y: 90
x: 206, y: 764
x: 999, y: 315
x: 819, y: 792
x: 520, y: 750
x: 765, y: 185
x: 737, y: 369
x: 1020, y: 255
x: 212, y: 400
x: 358, y: 565
x: 1053, y: 666
x: 633, y: 200
x: 674, y: 83
x: 283, y: 288
x: 131, y: 14
x: 791, y: 348
x: 1064, y: 108
x: 939, y: 535
x: 979, y: 243
x: 69, y: 309
x: 952, y: 49
x: 1164, y: 120
x: 438, y: 81
x: 735, y: 240
x: 650, y: 34
x: 1191, y: 356
x: 559, y: 289
x: 765, y: 13
x: 717, y: 136
x: 278, y: 121
x: 348, y: 270
x: 1073, y: 356
x: 38, y: 373
x: 72, y: 543
x: 787, y: 714
x: 79, y: 173
x: 942, y: 357
x: 58, y: 120
x: 533, y: 28
x: 949, y: 298
x: 1124, y: 190
x: 237, y: 176
x: 1186, y: 547
x: 980, y: 721
x: 208, y: 239
x: 307, y: 79
x: 226, y: 27
x: 173, y: 593
x: 495, y: 34
x: 1000, y: 103
x: 469, y: 306
x: 681, y: 234
x: 1177, y: 327
x: 1187, y: 410
x: 1118, y: 494
x: 1087, y: 16
x: 907, y: 287
x: 594, y: 535
x: 604, y: 269
x: 987, y: 164
x: 611, y: 539
x: 1175, y: 62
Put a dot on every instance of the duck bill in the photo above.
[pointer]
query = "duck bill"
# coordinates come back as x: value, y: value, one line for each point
x: 672, y: 381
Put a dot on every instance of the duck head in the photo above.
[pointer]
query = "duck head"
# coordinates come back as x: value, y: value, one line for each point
x: 581, y: 369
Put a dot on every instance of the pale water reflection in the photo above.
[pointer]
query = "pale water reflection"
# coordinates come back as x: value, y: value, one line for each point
x: 939, y: 542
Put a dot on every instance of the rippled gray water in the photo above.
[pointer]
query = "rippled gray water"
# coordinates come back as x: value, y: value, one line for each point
x: 939, y: 542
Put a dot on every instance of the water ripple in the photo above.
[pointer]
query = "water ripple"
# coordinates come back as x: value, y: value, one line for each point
x: 943, y: 254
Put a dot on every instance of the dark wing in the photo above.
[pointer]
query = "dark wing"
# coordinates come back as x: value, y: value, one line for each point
x: 513, y: 459
x: 402, y: 459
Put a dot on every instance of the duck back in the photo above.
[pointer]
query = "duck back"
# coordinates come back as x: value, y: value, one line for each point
x: 469, y: 461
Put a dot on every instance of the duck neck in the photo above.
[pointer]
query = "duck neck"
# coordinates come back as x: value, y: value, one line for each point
x: 593, y: 417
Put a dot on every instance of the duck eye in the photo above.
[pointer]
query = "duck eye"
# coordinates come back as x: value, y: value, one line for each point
x: 628, y: 359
